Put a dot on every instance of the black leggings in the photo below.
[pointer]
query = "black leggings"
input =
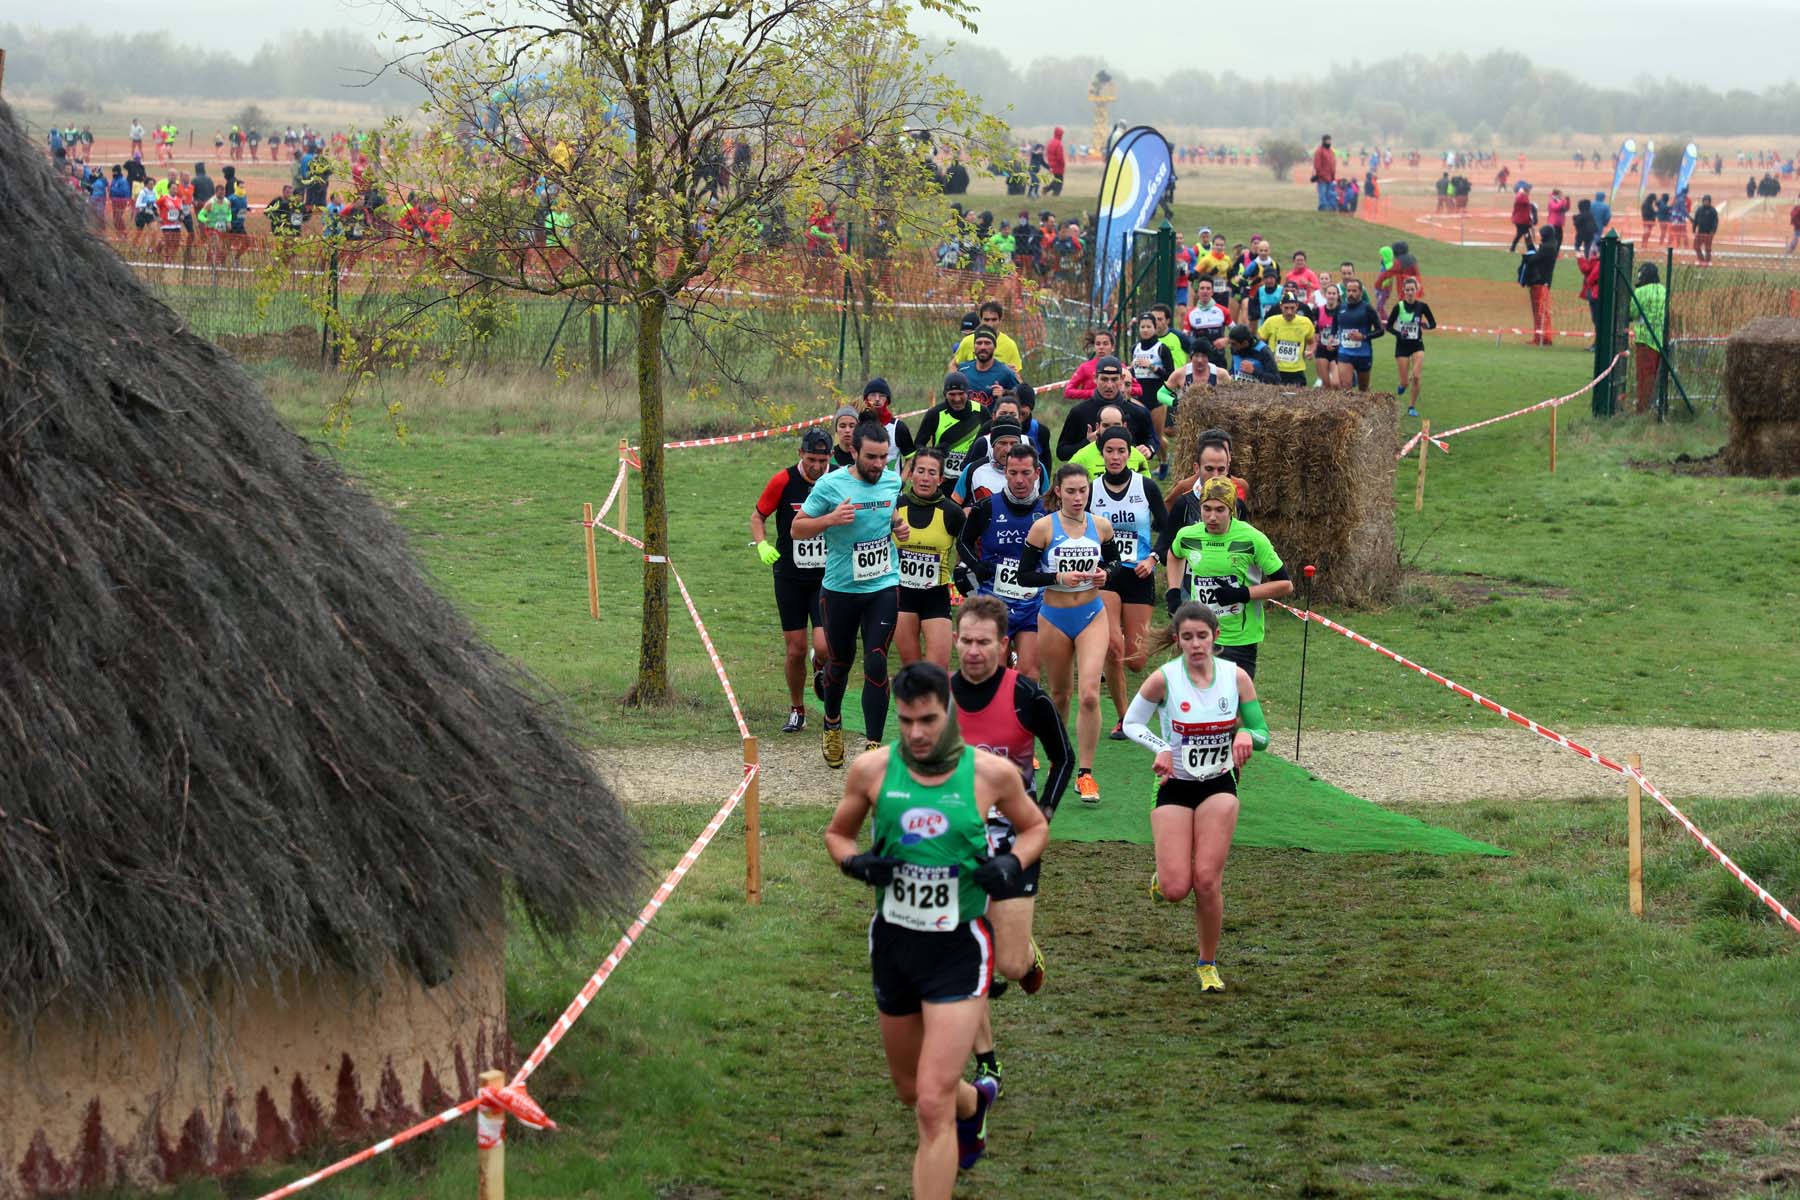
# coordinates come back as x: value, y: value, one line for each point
x: 849, y: 616
x: 1521, y: 233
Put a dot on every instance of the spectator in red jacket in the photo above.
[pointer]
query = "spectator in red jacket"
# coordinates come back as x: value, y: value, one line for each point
x: 1057, y: 160
x: 1081, y: 384
x: 1521, y: 218
x: 1589, y: 266
x: 1324, y: 174
x: 1558, y: 211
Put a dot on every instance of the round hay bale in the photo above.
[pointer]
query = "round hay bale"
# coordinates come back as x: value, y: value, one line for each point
x: 1320, y: 463
x: 1762, y: 395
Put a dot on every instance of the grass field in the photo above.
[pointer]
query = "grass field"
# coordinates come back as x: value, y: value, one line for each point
x: 1397, y: 1026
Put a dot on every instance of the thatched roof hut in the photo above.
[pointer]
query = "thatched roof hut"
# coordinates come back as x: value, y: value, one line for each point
x: 247, y: 744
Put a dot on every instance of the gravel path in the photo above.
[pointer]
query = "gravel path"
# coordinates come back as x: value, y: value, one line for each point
x: 1504, y: 763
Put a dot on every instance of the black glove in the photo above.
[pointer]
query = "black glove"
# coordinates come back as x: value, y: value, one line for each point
x: 985, y: 572
x: 1227, y: 590
x: 967, y: 581
x: 876, y: 870
x: 1172, y: 598
x: 998, y: 874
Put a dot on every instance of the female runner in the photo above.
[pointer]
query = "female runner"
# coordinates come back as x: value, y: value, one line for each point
x: 1211, y: 722
x: 1068, y: 553
x: 1408, y: 322
x: 1134, y: 506
x: 1325, y: 304
x: 927, y: 558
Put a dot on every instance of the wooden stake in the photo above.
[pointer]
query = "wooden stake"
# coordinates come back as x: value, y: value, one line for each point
x: 1553, y: 409
x: 1634, y: 836
x: 587, y: 521
x: 1424, y: 445
x: 625, y: 492
x: 490, y: 1144
x: 2, y: 68
x: 752, y: 827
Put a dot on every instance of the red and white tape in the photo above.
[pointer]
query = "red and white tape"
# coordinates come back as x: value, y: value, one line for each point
x: 1494, y: 706
x: 382, y: 1147
x: 595, y: 982
x: 699, y: 625
x: 726, y: 439
x: 1437, y: 438
x: 618, y: 485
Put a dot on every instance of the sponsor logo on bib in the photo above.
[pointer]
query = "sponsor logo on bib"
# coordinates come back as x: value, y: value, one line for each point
x: 921, y: 824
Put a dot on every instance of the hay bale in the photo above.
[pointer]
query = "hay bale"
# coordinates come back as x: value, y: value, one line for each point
x: 1762, y: 394
x: 1320, y: 463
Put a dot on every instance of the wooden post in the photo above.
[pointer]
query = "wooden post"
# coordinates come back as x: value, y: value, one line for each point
x: 625, y: 490
x: 1634, y: 836
x: 2, y: 68
x: 1424, y: 446
x: 752, y: 827
x: 1553, y: 409
x: 490, y: 1144
x: 587, y: 521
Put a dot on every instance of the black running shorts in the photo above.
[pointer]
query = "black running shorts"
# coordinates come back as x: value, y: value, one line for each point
x: 1243, y: 656
x: 797, y: 602
x: 1192, y: 793
x: 1131, y: 589
x: 912, y: 968
x: 926, y: 603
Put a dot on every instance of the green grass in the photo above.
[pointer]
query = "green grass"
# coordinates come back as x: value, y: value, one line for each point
x: 1452, y: 1026
x: 1602, y: 593
x: 1330, y: 238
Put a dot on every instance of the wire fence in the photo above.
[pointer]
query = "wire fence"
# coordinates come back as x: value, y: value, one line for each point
x: 1706, y: 304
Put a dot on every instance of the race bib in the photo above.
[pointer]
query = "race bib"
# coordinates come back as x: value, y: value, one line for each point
x: 918, y: 569
x: 1006, y: 582
x: 1408, y: 330
x: 809, y: 554
x: 954, y: 461
x: 1205, y: 755
x: 1126, y: 541
x: 1082, y: 558
x: 922, y: 898
x: 1287, y: 352
x: 1328, y: 340
x: 871, y: 560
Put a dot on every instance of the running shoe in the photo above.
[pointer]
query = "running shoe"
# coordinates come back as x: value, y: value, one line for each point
x: 796, y: 721
x: 1118, y: 732
x: 1156, y: 892
x: 1034, y: 979
x: 1410, y: 410
x: 971, y: 1132
x: 1402, y: 390
x: 997, y: 1073
x: 997, y: 988
x: 1209, y: 977
x: 870, y: 744
x: 1087, y: 788
x: 833, y: 745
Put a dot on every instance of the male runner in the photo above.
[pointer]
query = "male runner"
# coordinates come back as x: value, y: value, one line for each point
x: 1207, y: 323
x: 931, y: 949
x: 799, y: 567
x: 1291, y: 336
x: 983, y: 479
x: 988, y: 377
x: 857, y: 509
x: 1109, y: 388
x: 990, y: 314
x: 1001, y: 711
x: 994, y: 535
x: 1089, y: 456
x: 953, y: 424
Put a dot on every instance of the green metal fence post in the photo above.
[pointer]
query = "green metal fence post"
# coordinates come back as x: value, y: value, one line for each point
x: 1165, y: 264
x: 1606, y: 325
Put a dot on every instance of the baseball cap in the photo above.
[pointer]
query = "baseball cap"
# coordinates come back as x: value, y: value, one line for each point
x: 1108, y: 364
x: 815, y: 441
x: 969, y: 321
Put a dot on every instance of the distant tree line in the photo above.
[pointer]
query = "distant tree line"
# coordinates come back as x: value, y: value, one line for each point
x: 1419, y: 101
x: 102, y: 67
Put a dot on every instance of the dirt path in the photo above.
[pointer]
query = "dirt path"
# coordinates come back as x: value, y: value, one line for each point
x: 1500, y: 763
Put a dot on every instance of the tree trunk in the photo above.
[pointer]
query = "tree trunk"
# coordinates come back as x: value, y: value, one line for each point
x: 653, y: 654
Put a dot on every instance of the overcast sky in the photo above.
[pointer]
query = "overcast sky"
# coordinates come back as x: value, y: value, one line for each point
x: 1725, y: 45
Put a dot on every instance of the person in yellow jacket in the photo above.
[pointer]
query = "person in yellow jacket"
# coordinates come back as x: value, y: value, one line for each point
x: 1006, y: 350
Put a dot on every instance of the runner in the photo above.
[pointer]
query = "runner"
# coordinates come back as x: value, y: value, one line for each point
x: 1207, y: 322
x: 927, y: 561
x: 1408, y: 322
x: 1211, y: 723
x: 1134, y: 507
x: 1229, y: 566
x: 931, y: 949
x: 994, y: 535
x: 1109, y: 388
x: 982, y: 479
x: 1162, y: 405
x: 877, y: 406
x: 1089, y: 455
x: 1357, y: 324
x: 987, y: 376
x: 1001, y: 711
x: 1291, y: 337
x: 799, y: 567
x: 1325, y: 348
x: 952, y: 425
x: 990, y: 314
x: 843, y: 426
x: 1081, y: 383
x: 857, y: 510
x: 1251, y: 358
x: 1070, y: 567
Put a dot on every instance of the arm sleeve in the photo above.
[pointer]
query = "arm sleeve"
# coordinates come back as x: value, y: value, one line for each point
x: 1392, y: 317
x: 1427, y: 316
x: 1159, y: 513
x: 968, y: 542
x: 1137, y: 725
x: 1251, y: 720
x: 770, y: 500
x: 903, y: 439
x: 1036, y: 712
x: 1109, y: 552
x: 1031, y: 572
x: 954, y: 520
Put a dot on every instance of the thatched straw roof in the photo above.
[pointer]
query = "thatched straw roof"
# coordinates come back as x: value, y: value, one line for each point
x: 239, y: 730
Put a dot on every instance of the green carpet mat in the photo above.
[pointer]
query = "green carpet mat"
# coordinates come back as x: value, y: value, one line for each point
x: 1282, y: 805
